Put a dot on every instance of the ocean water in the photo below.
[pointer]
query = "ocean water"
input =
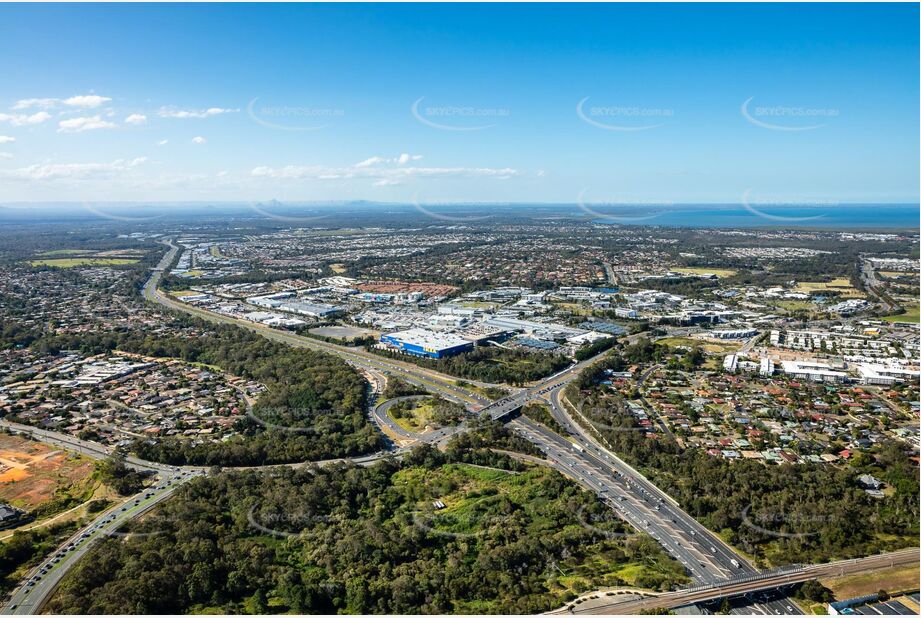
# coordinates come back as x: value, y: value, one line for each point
x: 846, y: 216
x: 820, y: 217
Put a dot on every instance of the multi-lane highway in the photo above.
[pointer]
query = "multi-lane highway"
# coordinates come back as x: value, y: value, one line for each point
x: 706, y: 557
x: 505, y: 406
x: 709, y: 561
x: 643, y: 509
x: 359, y: 357
x: 90, y: 449
x: 720, y: 560
x: 743, y: 586
x: 42, y: 580
x: 643, y: 505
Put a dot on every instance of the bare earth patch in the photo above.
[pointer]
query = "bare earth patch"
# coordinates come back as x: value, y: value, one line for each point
x: 31, y: 472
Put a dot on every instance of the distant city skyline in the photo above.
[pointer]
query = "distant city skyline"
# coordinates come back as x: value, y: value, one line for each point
x: 814, y: 104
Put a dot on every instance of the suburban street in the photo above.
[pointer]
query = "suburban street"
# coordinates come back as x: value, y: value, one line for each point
x: 706, y: 558
x: 358, y: 357
x: 715, y: 568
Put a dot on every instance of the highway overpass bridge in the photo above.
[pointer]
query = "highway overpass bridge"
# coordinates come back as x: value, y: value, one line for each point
x: 749, y: 584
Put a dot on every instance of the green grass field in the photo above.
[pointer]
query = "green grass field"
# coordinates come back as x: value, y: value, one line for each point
x: 474, y: 304
x: 420, y: 415
x: 898, y: 579
x: 574, y: 308
x: 912, y: 315
x: 73, y: 262
x: 702, y: 270
x: 64, y: 252
x: 794, y: 305
x: 475, y: 498
x: 708, y: 345
x: 893, y: 274
x: 840, y: 285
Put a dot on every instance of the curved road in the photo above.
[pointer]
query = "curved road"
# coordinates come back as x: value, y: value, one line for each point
x: 633, y: 497
x: 382, y: 417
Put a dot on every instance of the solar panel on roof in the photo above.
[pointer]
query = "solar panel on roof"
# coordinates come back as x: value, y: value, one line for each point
x: 604, y: 327
x: 884, y: 609
x: 900, y: 609
x: 536, y: 343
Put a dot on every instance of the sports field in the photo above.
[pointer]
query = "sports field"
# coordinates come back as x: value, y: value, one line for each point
x: 88, y: 261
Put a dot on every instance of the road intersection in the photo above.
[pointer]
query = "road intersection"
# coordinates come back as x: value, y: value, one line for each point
x: 645, y: 507
x: 578, y: 455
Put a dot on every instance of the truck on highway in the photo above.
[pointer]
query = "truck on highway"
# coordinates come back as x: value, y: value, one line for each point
x: 578, y: 447
x: 734, y: 562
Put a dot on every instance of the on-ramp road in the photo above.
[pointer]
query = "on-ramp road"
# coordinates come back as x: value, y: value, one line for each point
x: 638, y: 501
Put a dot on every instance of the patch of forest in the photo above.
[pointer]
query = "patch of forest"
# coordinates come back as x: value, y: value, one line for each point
x: 511, y: 538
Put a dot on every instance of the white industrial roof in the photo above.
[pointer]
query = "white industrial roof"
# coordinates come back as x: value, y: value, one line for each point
x: 428, y: 338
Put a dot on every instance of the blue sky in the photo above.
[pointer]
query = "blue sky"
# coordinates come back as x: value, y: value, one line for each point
x: 623, y: 103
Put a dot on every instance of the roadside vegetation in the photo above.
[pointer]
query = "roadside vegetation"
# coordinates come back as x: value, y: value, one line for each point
x: 401, y: 388
x: 489, y: 364
x: 540, y: 413
x: 777, y: 514
x: 433, y: 412
x: 113, y: 472
x: 25, y: 550
x: 72, y: 262
x: 911, y: 315
x: 510, y: 538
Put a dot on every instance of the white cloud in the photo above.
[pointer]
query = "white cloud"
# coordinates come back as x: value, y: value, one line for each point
x: 171, y: 112
x: 370, y: 161
x: 198, y: 139
x: 136, y: 119
x: 6, y: 139
x: 384, y: 172
x: 18, y: 120
x: 42, y: 103
x: 6, y: 155
x: 403, y: 159
x: 59, y: 171
x: 406, y: 158
x: 83, y: 123
x: 163, y: 142
x: 86, y: 101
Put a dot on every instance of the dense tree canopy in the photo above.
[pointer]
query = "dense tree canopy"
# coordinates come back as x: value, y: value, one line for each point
x: 496, y: 365
x: 780, y: 514
x: 368, y: 540
x: 314, y: 407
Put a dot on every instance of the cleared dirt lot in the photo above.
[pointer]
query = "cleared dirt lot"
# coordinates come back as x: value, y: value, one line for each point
x: 343, y: 332
x: 899, y: 579
x: 32, y: 473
